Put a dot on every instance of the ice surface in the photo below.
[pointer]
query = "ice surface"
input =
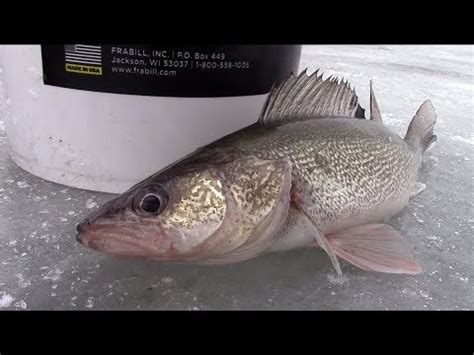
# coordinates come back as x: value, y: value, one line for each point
x: 6, y: 300
x: 91, y: 203
x: 43, y: 267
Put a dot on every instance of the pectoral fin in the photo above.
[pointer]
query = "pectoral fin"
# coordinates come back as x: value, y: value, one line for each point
x: 298, y: 202
x: 417, y: 188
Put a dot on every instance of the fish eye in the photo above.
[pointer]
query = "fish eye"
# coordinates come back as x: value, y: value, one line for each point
x: 151, y: 200
x: 150, y: 203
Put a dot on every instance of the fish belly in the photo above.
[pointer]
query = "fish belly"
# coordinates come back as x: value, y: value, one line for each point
x: 298, y: 232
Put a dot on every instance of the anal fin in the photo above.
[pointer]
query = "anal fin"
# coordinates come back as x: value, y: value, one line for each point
x: 375, y: 247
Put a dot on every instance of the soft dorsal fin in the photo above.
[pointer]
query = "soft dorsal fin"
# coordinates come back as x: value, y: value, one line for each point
x: 375, y: 114
x: 303, y: 96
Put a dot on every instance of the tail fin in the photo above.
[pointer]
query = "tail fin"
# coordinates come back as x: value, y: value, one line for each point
x: 420, y: 132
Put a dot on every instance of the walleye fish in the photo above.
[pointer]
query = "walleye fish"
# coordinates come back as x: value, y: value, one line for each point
x: 311, y: 172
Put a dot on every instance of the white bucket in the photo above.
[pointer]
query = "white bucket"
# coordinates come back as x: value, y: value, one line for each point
x: 103, y: 141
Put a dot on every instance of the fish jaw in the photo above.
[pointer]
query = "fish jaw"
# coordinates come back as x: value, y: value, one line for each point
x: 114, y: 247
x: 120, y: 241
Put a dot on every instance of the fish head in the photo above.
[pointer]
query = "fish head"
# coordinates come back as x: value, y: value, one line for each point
x: 198, y: 213
x: 160, y: 218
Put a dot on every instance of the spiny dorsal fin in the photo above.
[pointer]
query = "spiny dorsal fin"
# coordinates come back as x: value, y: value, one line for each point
x: 303, y: 96
x: 375, y: 114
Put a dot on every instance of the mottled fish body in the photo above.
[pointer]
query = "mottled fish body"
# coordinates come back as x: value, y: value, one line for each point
x: 311, y: 172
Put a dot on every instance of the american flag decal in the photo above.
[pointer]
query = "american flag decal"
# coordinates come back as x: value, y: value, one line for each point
x: 83, y: 54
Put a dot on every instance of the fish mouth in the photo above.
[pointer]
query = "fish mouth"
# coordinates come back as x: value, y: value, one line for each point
x: 113, y: 246
x: 104, y: 239
x: 101, y: 238
x: 117, y: 247
x: 119, y: 239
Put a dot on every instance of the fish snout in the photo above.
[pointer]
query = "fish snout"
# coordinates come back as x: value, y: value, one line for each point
x: 81, y: 229
x: 84, y: 227
x: 85, y: 234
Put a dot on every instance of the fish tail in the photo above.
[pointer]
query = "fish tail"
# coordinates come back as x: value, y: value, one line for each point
x: 420, y: 135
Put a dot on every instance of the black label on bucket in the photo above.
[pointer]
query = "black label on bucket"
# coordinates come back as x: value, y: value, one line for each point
x: 187, y: 71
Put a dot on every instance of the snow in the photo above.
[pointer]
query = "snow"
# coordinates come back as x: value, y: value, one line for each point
x: 22, y: 184
x: 91, y: 204
x: 6, y: 300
